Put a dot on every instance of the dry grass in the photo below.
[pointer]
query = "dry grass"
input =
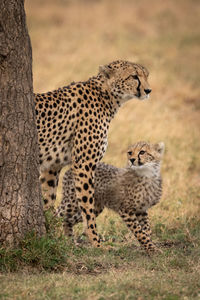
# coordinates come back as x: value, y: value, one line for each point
x: 139, y: 283
x: 70, y: 39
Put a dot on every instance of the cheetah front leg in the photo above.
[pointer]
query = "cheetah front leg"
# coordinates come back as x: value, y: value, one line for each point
x: 84, y: 185
x: 49, y: 182
x: 133, y: 224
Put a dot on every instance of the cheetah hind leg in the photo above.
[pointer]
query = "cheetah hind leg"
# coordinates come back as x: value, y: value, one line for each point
x: 85, y: 195
x: 49, y: 182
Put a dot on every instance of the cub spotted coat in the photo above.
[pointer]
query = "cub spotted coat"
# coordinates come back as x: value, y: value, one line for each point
x: 129, y: 191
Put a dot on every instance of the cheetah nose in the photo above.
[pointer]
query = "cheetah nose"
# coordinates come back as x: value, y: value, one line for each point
x: 132, y: 160
x: 147, y: 91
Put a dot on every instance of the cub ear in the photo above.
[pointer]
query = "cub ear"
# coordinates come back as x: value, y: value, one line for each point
x: 106, y: 70
x: 160, y: 147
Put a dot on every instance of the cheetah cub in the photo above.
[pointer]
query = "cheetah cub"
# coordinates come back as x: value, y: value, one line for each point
x: 129, y: 191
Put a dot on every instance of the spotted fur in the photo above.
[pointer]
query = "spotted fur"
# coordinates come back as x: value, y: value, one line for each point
x: 73, y: 124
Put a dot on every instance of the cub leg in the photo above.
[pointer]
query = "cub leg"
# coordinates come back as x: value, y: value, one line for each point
x: 143, y: 220
x: 133, y: 224
x: 68, y: 228
x: 71, y: 215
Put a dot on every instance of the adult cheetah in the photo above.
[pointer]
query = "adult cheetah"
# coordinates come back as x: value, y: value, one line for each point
x: 129, y: 191
x: 72, y: 124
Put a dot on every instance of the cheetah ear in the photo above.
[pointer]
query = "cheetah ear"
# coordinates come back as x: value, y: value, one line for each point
x: 106, y: 70
x: 160, y: 147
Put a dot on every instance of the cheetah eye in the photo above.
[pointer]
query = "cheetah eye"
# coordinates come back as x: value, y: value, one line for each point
x: 135, y: 77
x: 141, y: 152
x: 130, y: 152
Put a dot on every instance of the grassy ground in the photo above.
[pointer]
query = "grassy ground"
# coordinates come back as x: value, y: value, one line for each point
x: 54, y: 268
x: 70, y: 39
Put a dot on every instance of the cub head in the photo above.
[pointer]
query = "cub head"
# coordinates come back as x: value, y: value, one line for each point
x: 126, y: 80
x: 145, y: 156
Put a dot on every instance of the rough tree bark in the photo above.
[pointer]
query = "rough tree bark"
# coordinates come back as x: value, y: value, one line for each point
x: 20, y: 195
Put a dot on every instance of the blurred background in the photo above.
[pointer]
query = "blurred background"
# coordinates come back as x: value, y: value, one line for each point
x: 71, y: 38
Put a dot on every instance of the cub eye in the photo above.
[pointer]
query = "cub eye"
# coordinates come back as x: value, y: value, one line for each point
x: 142, y: 152
x: 130, y: 152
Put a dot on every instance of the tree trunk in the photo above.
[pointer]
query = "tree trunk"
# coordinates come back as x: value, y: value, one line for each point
x: 20, y: 195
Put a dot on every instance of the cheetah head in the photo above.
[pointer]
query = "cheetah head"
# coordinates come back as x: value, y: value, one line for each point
x: 126, y: 80
x: 145, y: 158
